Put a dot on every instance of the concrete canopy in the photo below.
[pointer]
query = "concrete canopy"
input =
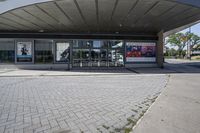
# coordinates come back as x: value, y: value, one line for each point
x: 97, y: 16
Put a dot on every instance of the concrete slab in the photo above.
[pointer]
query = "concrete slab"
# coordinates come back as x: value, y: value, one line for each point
x: 177, y: 108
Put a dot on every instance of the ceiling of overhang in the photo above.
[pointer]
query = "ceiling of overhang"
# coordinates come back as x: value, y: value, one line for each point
x: 99, y: 16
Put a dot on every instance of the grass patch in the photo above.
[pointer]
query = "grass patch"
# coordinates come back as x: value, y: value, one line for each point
x: 127, y: 130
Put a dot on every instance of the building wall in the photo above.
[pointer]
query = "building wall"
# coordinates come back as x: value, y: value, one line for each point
x: 44, y: 53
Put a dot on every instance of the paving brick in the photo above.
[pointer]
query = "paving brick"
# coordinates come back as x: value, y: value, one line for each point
x: 79, y: 103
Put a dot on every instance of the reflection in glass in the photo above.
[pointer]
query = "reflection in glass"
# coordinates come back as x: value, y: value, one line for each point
x: 115, y: 44
x: 99, y: 53
x: 76, y: 53
x: 7, y: 51
x: 95, y: 54
x: 115, y: 57
x: 76, y: 57
x: 103, y: 57
x: 43, y: 51
x: 85, y: 54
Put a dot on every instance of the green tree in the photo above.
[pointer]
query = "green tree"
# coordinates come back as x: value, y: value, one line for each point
x: 195, y: 42
x: 179, y: 40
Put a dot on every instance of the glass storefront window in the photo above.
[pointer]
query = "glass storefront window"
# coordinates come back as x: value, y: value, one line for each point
x: 98, y: 53
x: 85, y: 54
x: 83, y: 44
x: 7, y: 51
x: 43, y: 51
x: 62, y: 51
x: 76, y: 53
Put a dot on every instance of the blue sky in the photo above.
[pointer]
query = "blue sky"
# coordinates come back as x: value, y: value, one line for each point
x: 194, y: 29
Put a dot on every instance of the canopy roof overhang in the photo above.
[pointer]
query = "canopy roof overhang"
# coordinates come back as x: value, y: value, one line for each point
x: 127, y: 17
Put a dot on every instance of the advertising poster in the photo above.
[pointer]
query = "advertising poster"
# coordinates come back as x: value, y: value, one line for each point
x: 140, y: 52
x: 24, y: 51
x: 62, y: 51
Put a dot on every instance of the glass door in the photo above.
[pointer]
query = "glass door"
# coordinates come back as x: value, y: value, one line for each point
x: 81, y: 53
x: 77, y: 57
x: 115, y: 53
x: 98, y: 53
x: 85, y: 57
x: 103, y: 57
x: 95, y: 55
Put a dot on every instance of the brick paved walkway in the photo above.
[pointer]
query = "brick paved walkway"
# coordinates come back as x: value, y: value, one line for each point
x: 90, y: 104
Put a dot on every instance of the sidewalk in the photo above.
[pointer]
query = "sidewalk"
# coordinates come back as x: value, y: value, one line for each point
x: 30, y: 73
x: 177, y: 108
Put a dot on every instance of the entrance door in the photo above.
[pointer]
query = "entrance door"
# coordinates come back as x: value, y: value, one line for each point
x: 85, y: 57
x: 82, y: 53
x: 103, y: 57
x: 95, y: 56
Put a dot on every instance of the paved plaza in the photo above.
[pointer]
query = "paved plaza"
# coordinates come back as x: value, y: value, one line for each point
x: 85, y: 104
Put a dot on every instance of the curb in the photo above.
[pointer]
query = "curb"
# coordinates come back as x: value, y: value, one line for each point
x: 164, y: 89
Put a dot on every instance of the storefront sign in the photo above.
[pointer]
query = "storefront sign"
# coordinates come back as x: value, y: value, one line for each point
x: 24, y: 51
x: 140, y: 52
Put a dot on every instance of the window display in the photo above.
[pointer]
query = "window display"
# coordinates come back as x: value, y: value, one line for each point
x: 62, y: 51
x: 24, y: 51
x: 141, y: 52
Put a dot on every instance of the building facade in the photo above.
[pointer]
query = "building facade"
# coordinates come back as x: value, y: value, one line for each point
x: 78, y: 53
x: 91, y: 33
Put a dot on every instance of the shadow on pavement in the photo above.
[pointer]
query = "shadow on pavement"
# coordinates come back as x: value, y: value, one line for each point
x: 171, y: 68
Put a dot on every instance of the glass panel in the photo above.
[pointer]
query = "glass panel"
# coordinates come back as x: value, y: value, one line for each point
x: 82, y: 44
x: 43, y: 51
x: 99, y: 53
x: 62, y: 51
x: 76, y: 53
x: 103, y: 57
x: 85, y: 54
x: 86, y: 44
x: 76, y: 57
x: 115, y: 44
x: 119, y: 57
x: 85, y: 57
x: 95, y: 55
x: 111, y: 57
x: 7, y: 51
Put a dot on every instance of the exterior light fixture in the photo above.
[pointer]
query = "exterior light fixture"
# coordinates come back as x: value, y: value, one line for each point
x: 41, y: 31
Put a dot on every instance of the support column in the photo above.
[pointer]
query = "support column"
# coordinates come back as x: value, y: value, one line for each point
x: 159, y: 50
